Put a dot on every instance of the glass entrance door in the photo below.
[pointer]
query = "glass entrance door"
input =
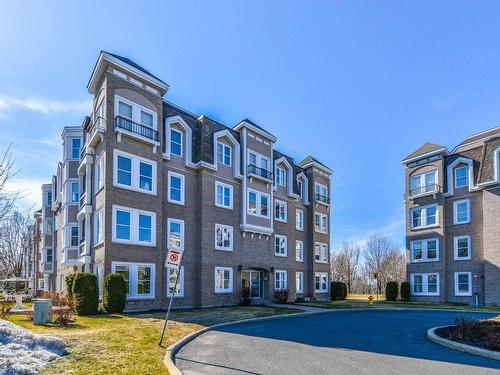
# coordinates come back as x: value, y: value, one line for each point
x: 252, y: 280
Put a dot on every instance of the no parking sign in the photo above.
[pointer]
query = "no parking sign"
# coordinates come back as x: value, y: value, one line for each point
x: 174, y: 257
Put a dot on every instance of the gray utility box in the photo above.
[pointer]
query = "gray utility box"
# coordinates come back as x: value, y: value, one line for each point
x: 42, y: 311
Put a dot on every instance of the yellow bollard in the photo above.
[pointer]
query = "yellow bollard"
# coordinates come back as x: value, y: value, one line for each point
x: 370, y: 300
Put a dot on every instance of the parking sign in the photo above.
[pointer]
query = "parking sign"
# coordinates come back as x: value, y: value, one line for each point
x: 174, y: 257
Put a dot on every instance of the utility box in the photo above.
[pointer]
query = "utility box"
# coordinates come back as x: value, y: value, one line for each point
x: 42, y: 311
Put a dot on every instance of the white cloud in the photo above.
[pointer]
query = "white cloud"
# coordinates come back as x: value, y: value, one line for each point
x: 31, y: 193
x: 448, y: 101
x: 45, y: 106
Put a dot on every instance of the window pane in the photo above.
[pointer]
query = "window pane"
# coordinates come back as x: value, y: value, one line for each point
x: 432, y: 249
x: 463, y: 283
x: 145, y: 228
x: 124, y: 271
x: 172, y: 275
x: 417, y: 250
x: 147, y: 119
x: 461, y: 177
x: 417, y: 284
x: 143, y: 280
x: 227, y: 155
x: 145, y: 176
x: 252, y: 202
x: 463, y: 247
x: 125, y: 110
x: 75, y: 148
x: 175, y: 239
x: 175, y: 142
x: 430, y: 181
x: 123, y: 225
x: 220, y: 153
x: 431, y: 215
x: 416, y: 218
x: 124, y: 170
x: 462, y: 212
x: 263, y: 205
x: 175, y: 188
x: 432, y: 284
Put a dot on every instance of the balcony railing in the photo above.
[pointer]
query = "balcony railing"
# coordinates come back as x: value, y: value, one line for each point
x: 264, y: 173
x: 133, y: 127
x: 427, y: 189
x: 321, y: 198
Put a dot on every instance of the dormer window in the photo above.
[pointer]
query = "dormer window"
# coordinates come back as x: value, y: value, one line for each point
x: 175, y: 142
x: 280, y: 177
x: 223, y: 154
x: 423, y: 183
x: 300, y: 188
x: 461, y: 179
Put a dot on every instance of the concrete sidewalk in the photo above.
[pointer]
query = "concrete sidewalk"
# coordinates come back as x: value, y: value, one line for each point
x: 298, y: 307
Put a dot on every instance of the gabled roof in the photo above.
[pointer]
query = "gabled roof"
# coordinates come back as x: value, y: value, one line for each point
x: 484, y: 135
x: 425, y: 149
x: 312, y: 161
x: 131, y: 63
x: 258, y: 129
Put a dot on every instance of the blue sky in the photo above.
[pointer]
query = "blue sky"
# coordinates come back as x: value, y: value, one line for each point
x: 357, y: 84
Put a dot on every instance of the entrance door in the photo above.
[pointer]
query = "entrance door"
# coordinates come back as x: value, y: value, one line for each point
x: 252, y: 280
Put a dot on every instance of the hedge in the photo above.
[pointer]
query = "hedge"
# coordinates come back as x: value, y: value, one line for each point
x: 115, y: 293
x: 405, y: 291
x: 85, y: 293
x: 391, y: 291
x: 69, y: 284
x: 338, y: 290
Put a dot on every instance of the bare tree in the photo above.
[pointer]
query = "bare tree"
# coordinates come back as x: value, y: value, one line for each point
x: 15, y: 244
x: 383, y: 256
x: 7, y: 198
x: 345, y: 264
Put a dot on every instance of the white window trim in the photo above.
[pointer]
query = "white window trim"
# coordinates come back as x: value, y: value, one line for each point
x: 280, y: 202
x: 136, y: 111
x: 455, y: 247
x: 179, y: 221
x: 321, y: 274
x: 258, y: 160
x: 318, y: 229
x: 134, y: 226
x: 98, y: 212
x: 299, y: 276
x: 469, y: 292
x: 423, y: 217
x: 466, y: 167
x: 258, y: 195
x: 223, y: 185
x: 424, y: 251
x: 222, y: 248
x: 322, y: 246
x: 231, y: 283
x: 224, y: 146
x: 135, y: 172
x: 301, y: 259
x: 181, y: 176
x: 299, y: 226
x: 180, y: 283
x: 455, y: 212
x: 425, y: 278
x: 99, y: 184
x: 182, y: 142
x: 276, y: 236
x: 285, y: 274
x: 133, y: 279
x: 322, y: 189
x: 421, y: 176
x: 280, y: 183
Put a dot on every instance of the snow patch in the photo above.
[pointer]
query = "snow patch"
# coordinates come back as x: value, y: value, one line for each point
x: 22, y: 352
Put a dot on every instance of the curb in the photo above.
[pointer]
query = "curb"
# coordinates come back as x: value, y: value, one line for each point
x: 474, y: 350
x: 172, y: 350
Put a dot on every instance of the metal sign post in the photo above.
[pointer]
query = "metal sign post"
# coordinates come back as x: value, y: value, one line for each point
x: 174, y: 259
x: 375, y: 276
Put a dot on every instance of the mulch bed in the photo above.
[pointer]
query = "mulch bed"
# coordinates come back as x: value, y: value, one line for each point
x: 481, y: 333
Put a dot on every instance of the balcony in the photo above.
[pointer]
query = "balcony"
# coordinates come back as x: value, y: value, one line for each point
x: 320, y: 198
x: 420, y: 191
x: 47, y: 267
x: 260, y: 173
x: 122, y: 123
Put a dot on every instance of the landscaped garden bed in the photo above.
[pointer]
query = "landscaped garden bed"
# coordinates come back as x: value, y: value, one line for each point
x: 483, y: 333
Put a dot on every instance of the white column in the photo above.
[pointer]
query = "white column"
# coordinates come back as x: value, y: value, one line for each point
x: 88, y: 238
x: 46, y: 279
x: 88, y: 184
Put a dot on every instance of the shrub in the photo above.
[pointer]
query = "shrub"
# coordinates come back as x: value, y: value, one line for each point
x: 492, y: 341
x: 62, y: 308
x: 405, y: 291
x: 6, y: 308
x: 115, y: 293
x: 281, y: 296
x: 464, y: 328
x: 245, y: 296
x: 391, y: 291
x: 338, y: 290
x: 85, y: 293
x: 69, y: 284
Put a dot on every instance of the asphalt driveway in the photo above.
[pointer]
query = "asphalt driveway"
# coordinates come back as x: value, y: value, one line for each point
x: 340, y: 342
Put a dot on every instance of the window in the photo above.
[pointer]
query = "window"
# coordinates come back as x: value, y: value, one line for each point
x: 320, y: 252
x: 223, y: 280
x: 74, y: 235
x: 99, y: 174
x: 41, y: 284
x: 132, y: 172
x: 424, y: 284
x: 422, y: 217
x: 424, y: 250
x: 134, y: 226
x: 223, y: 237
x: 299, y: 219
x: 280, y: 209
x: 299, y: 282
x: 175, y: 142
x: 258, y: 164
x: 98, y: 227
x: 147, y: 119
x: 321, y: 193
x: 49, y: 226
x: 75, y: 192
x: 299, y: 251
x: 321, y: 282
x: 463, y: 284
x: 172, y: 275
x: 49, y: 255
x: 223, y: 195
x: 175, y: 188
x: 280, y: 245
x: 300, y: 188
x: 320, y: 222
x: 75, y: 148
x: 461, y: 179
x: 139, y: 278
x: 462, y: 247
x: 423, y: 183
x: 258, y: 203
x: 280, y: 280
x: 280, y: 177
x: 136, y: 113
x: 461, y: 211
x: 125, y: 110
x: 175, y: 233
x: 49, y: 198
x: 223, y: 154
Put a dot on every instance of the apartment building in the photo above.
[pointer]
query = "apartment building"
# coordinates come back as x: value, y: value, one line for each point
x: 453, y: 220
x: 141, y: 175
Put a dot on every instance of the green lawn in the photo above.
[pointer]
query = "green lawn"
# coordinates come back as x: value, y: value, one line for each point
x: 354, y: 301
x: 127, y: 343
